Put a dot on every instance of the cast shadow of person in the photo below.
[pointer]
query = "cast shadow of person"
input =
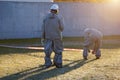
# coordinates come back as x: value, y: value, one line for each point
x: 39, y: 73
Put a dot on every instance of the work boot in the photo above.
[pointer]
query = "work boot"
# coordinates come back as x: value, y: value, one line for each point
x: 93, y: 52
x: 97, y: 57
x: 58, y: 65
x: 85, y: 58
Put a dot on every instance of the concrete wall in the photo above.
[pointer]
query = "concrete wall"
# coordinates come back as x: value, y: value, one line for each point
x: 23, y: 19
x: 29, y: 0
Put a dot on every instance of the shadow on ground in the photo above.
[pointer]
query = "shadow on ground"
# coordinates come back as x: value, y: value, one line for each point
x: 39, y: 73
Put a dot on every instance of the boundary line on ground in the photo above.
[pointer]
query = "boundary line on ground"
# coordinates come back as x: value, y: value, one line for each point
x: 38, y: 48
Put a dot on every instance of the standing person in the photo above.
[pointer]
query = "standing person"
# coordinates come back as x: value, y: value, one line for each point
x: 92, y: 37
x: 52, y: 36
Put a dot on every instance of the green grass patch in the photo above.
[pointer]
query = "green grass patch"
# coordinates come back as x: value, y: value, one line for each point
x: 116, y: 37
x: 20, y: 41
x: 73, y: 39
x: 69, y: 42
x: 6, y: 50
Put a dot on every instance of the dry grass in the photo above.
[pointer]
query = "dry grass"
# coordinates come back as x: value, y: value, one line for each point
x: 28, y: 66
x: 22, y: 64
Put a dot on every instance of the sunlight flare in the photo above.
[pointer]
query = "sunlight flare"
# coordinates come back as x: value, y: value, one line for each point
x: 115, y: 2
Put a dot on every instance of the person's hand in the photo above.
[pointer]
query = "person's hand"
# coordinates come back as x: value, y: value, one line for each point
x: 93, y: 52
x: 42, y: 41
x: 89, y: 50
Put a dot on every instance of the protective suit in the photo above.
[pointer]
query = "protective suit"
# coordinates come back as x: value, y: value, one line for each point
x: 52, y: 28
x: 92, y: 37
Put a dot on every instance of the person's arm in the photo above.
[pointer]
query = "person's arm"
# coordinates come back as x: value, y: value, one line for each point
x: 61, y: 23
x: 43, y: 32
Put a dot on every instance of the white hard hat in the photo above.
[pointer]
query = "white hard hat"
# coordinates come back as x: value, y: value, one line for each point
x: 54, y: 7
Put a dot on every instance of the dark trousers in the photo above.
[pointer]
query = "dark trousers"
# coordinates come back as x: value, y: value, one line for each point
x: 57, y: 47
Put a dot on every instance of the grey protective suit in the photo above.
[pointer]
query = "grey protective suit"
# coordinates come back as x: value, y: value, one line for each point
x: 93, y: 38
x: 52, y: 28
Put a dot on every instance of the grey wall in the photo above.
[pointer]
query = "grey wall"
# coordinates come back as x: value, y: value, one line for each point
x: 29, y: 0
x: 23, y: 19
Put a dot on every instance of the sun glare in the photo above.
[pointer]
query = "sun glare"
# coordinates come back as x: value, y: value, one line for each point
x: 115, y: 2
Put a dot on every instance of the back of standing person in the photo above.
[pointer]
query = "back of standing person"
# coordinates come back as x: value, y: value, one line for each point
x: 52, y: 28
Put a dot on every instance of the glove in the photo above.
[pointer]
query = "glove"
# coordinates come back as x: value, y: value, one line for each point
x: 93, y: 52
x: 89, y: 50
x: 42, y: 41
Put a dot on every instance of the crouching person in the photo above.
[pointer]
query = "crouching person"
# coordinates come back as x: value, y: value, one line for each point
x: 92, y: 38
x: 52, y: 36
